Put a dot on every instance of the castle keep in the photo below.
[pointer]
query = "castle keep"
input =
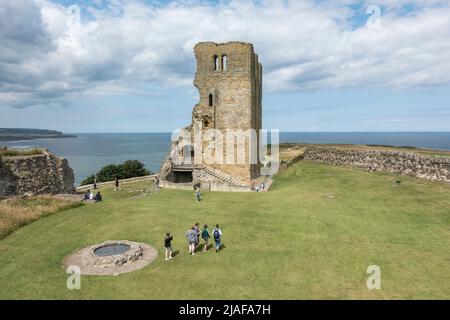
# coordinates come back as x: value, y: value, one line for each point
x: 220, y: 148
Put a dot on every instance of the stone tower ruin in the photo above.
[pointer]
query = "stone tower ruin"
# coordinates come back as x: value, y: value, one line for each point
x: 229, y: 114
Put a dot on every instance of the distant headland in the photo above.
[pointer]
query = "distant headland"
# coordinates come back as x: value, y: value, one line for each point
x: 14, y: 134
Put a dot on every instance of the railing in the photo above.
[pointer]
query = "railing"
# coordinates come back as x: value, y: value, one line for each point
x: 186, y: 167
x: 125, y: 181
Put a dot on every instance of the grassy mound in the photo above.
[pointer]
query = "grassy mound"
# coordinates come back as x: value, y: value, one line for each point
x: 19, y: 211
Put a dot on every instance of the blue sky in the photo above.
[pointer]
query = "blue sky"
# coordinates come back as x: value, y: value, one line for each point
x: 128, y: 66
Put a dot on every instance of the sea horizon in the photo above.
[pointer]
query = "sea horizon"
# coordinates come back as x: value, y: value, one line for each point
x: 89, y: 152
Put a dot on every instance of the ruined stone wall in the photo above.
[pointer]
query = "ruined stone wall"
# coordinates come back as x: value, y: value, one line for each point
x: 37, y: 174
x: 402, y: 163
x: 235, y: 91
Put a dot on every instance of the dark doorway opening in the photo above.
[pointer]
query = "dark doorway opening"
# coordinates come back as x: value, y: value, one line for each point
x: 182, y: 176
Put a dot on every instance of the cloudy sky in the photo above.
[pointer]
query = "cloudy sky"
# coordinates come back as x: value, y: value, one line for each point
x: 128, y: 65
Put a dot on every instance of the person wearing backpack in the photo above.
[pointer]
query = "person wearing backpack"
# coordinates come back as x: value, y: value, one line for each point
x: 217, y: 234
x: 205, y: 237
x: 197, y: 232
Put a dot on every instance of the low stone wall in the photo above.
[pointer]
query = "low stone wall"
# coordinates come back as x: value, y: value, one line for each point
x: 173, y: 185
x: 37, y: 174
x: 204, y: 186
x: 112, y: 183
x: 396, y: 162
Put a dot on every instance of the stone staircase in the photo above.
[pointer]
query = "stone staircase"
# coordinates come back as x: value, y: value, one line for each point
x: 223, y: 177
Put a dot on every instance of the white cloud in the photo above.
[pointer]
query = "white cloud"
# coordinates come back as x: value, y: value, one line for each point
x: 48, y: 57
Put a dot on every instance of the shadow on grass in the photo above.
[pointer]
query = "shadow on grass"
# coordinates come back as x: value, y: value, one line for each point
x: 175, y: 253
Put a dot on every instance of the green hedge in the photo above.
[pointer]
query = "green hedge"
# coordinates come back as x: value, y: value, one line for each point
x: 128, y: 169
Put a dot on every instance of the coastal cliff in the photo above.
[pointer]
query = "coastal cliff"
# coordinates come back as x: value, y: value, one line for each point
x: 42, y: 173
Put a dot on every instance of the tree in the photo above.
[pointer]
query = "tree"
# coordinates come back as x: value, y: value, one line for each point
x: 128, y: 169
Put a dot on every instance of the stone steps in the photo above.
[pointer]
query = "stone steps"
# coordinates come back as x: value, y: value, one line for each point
x: 223, y: 177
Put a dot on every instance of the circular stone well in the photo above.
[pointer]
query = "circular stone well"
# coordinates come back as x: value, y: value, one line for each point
x: 112, y: 257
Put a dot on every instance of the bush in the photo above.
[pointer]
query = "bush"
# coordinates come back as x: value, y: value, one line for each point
x: 128, y: 169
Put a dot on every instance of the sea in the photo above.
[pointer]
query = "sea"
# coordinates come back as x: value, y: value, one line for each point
x: 89, y: 152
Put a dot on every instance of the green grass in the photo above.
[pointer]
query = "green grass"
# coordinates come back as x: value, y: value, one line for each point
x: 294, y: 242
x: 19, y: 211
x: 20, y: 152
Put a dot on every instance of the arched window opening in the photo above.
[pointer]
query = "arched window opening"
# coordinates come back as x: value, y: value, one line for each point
x: 224, y: 62
x: 216, y: 63
x: 210, y: 100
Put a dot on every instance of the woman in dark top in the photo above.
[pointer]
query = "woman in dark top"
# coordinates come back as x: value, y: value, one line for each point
x: 116, y: 183
x: 168, y: 245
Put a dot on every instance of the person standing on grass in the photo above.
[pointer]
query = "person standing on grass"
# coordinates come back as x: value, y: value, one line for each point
x: 217, y: 234
x: 116, y: 184
x: 197, y: 232
x: 205, y: 237
x: 191, y: 237
x: 197, y: 193
x: 168, y: 245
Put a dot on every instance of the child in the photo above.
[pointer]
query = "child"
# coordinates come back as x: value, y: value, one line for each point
x: 168, y: 245
x: 217, y: 234
x: 191, y: 237
x: 205, y: 237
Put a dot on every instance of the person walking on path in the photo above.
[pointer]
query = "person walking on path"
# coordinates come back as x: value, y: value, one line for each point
x: 217, y: 234
x: 191, y: 237
x: 168, y: 245
x: 197, y: 232
x: 205, y: 237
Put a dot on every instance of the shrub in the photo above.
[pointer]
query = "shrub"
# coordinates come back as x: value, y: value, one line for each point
x: 128, y: 169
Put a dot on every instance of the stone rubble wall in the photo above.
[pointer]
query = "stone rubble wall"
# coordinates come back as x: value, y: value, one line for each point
x: 395, y: 162
x: 37, y: 174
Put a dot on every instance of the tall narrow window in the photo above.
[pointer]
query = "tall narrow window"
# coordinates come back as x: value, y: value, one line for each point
x: 216, y: 63
x: 210, y: 100
x: 224, y: 62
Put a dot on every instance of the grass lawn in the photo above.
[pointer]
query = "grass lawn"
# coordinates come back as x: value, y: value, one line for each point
x: 312, y: 236
x: 18, y: 211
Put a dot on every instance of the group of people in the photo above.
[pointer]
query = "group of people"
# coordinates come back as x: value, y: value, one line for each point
x: 89, y: 195
x: 257, y: 188
x: 193, y: 238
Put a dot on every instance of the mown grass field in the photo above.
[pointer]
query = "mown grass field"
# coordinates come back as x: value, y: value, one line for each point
x: 311, y: 237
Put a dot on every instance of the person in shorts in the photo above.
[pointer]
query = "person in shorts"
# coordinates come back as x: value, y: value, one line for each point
x: 191, y: 237
x: 168, y: 245
x: 205, y: 237
x: 197, y: 232
x: 217, y: 234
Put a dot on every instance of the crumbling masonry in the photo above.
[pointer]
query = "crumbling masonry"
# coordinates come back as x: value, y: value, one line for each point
x: 229, y: 81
